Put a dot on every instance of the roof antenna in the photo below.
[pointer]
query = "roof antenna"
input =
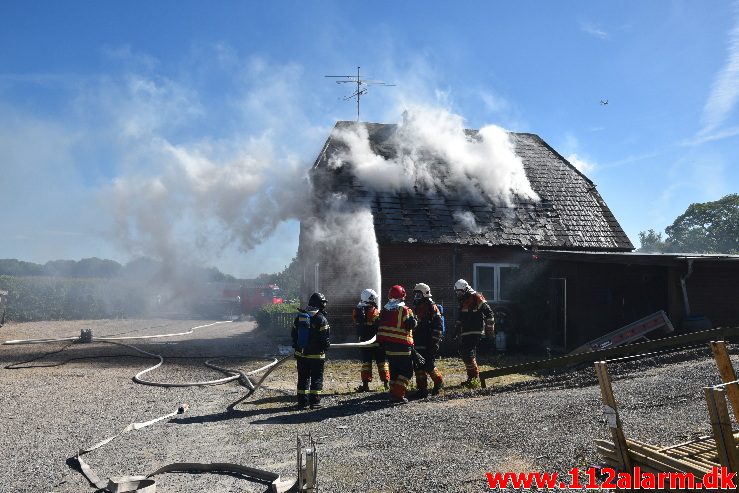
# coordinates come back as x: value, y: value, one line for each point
x: 361, y: 86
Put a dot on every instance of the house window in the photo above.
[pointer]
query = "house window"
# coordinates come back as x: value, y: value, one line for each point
x: 495, y: 281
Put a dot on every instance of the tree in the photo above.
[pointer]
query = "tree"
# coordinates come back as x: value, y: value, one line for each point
x: 288, y: 279
x: 710, y: 227
x: 651, y: 242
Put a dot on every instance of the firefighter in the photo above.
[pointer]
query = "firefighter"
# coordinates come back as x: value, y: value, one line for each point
x: 427, y: 338
x: 475, y: 320
x: 311, y: 337
x: 366, y: 316
x: 395, y: 334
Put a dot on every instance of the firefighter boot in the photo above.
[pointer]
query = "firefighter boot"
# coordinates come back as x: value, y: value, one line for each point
x: 419, y: 394
x: 438, y: 381
x: 438, y: 385
x: 397, y: 393
x: 315, y: 402
x: 386, y: 384
x: 421, y: 385
x: 363, y: 388
x: 473, y: 373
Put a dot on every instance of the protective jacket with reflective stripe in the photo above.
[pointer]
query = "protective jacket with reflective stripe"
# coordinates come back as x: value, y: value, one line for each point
x: 396, y: 324
x: 365, y: 318
x: 474, y: 313
x: 428, y: 332
x: 320, y: 334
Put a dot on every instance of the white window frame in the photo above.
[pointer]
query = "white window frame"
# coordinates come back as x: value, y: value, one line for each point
x: 496, y: 277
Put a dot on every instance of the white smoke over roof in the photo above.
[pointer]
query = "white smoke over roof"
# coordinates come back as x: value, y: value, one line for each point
x: 467, y: 219
x: 431, y: 150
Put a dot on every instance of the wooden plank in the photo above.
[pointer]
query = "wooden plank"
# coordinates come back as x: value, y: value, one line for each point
x: 643, y: 452
x: 611, y: 410
x: 663, y: 466
x: 698, y: 440
x: 721, y: 425
x: 602, y: 355
x: 607, y: 453
x: 726, y: 370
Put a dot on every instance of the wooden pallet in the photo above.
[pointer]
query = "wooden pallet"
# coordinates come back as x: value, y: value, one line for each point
x: 697, y: 456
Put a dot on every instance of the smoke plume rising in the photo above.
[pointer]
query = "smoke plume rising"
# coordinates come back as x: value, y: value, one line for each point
x: 433, y: 152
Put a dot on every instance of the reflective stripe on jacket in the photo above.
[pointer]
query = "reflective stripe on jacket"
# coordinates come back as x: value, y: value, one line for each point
x: 428, y: 332
x: 320, y: 334
x: 396, y: 325
x: 473, y: 313
x: 365, y: 319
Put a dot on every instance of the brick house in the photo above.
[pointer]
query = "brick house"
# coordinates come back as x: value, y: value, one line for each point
x: 561, y: 268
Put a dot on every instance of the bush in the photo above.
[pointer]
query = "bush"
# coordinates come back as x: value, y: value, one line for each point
x: 274, y: 316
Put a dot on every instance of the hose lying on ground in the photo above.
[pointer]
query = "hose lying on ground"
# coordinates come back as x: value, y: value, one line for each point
x: 233, y: 374
x: 143, y: 484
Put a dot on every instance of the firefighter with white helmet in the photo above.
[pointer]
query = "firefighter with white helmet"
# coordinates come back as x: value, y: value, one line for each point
x: 366, y: 316
x: 475, y: 320
x: 395, y: 334
x: 311, y: 337
x: 427, y: 338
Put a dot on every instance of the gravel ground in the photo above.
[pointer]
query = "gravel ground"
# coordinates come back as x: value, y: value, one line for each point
x: 439, y: 444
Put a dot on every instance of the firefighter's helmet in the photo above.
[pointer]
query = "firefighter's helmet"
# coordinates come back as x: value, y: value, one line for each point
x: 422, y: 288
x: 397, y: 292
x: 317, y: 300
x: 369, y: 296
x: 461, y: 288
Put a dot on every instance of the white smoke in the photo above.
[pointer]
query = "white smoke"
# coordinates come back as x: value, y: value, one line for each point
x: 432, y: 151
x: 467, y: 219
x: 205, y: 198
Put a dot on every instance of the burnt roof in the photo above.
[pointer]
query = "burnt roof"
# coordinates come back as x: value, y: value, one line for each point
x: 571, y: 214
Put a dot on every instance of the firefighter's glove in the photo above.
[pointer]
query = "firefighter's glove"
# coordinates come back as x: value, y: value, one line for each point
x: 490, y: 328
x: 457, y: 329
x: 418, y: 360
x: 435, y: 348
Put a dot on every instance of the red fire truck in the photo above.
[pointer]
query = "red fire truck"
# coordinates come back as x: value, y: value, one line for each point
x: 235, y: 299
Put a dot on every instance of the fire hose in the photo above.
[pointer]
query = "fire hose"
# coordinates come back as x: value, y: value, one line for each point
x: 143, y: 484
x: 86, y: 337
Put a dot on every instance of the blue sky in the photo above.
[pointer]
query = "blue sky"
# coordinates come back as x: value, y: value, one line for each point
x: 98, y: 100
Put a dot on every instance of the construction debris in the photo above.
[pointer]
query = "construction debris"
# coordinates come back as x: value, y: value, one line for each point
x: 698, y: 457
x: 629, y: 333
x: 668, y: 343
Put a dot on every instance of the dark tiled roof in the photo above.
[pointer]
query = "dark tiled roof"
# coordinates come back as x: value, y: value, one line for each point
x: 570, y: 215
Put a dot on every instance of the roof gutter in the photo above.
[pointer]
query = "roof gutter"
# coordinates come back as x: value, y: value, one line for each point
x: 685, y: 288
